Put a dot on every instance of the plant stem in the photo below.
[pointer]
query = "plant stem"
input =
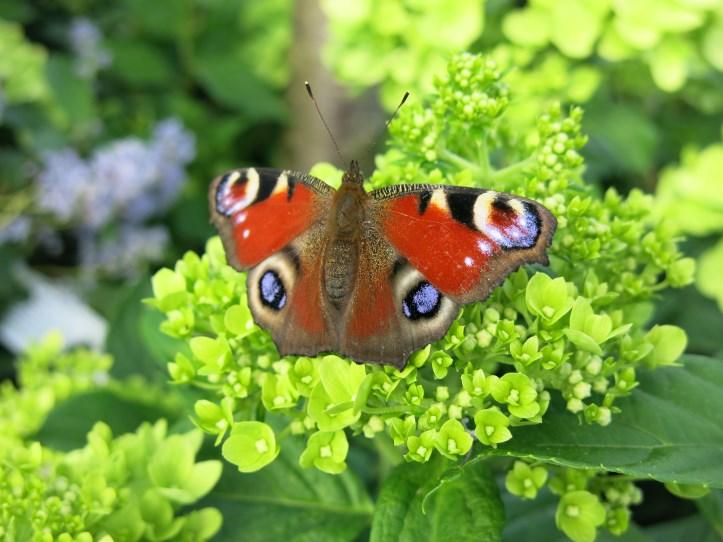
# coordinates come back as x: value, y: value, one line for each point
x: 510, y: 173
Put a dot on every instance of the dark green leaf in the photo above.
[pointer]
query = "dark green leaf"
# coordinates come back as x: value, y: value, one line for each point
x: 690, y: 529
x: 69, y: 422
x: 72, y: 93
x: 463, y: 507
x: 288, y: 503
x: 622, y: 139
x: 669, y: 430
x: 235, y: 86
x: 711, y: 507
x: 135, y: 340
x: 141, y: 63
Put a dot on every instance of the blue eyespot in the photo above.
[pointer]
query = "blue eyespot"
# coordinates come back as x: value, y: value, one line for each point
x: 422, y: 301
x: 272, y: 291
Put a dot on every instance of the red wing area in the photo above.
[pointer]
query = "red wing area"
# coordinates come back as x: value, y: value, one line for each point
x: 449, y: 254
x: 268, y: 226
x: 464, y: 241
x: 260, y: 211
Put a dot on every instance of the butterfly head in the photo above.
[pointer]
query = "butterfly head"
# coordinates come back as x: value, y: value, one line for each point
x: 353, y: 175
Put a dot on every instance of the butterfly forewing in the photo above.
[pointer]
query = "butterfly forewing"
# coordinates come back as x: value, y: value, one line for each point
x: 464, y: 241
x: 259, y: 211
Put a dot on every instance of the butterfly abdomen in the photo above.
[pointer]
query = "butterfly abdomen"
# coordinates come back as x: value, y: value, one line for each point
x: 342, y: 251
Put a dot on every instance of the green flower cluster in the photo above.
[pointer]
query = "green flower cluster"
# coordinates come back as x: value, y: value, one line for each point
x: 125, y: 488
x: 130, y: 487
x: 689, y: 197
x: 589, y: 499
x: 46, y: 375
x: 578, y: 332
x: 677, y: 40
x: 429, y: 30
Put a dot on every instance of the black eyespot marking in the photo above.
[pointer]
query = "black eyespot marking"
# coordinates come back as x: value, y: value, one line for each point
x: 422, y: 301
x: 461, y: 205
x: 424, y: 199
x: 272, y: 291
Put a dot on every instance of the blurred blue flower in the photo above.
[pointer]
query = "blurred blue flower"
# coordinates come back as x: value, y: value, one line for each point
x: 124, y: 254
x: 122, y: 183
x: 86, y: 42
x: 62, y: 184
x: 123, y: 172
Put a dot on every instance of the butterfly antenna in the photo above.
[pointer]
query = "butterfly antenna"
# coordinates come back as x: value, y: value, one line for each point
x: 404, y: 99
x: 394, y: 115
x: 328, y: 130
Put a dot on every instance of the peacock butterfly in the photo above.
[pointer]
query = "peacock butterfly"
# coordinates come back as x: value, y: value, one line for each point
x: 371, y: 275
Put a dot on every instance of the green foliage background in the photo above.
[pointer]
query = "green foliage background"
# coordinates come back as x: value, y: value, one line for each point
x: 579, y: 401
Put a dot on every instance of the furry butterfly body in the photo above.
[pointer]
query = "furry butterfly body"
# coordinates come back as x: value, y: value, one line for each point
x: 371, y: 275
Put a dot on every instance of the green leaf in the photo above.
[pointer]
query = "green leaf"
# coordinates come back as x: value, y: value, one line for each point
x: 68, y: 423
x: 72, y: 93
x: 140, y: 63
x: 711, y: 507
x: 683, y: 530
x: 669, y: 430
x: 463, y: 507
x: 135, y: 340
x: 285, y: 502
x: 235, y: 86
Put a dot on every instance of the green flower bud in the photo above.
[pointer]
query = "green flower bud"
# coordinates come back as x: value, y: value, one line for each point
x: 278, y: 392
x: 414, y: 394
x: 401, y: 429
x: 517, y: 391
x: 526, y: 353
x: 181, y: 369
x: 326, y: 451
x: 214, y: 419
x: 251, y: 446
x: 548, y: 298
x: 420, y: 448
x: 618, y: 520
x: 578, y: 515
x: 668, y: 342
x: 453, y: 440
x: 475, y: 384
x: 525, y: 481
x: 441, y: 362
x: 491, y: 426
x: 432, y: 417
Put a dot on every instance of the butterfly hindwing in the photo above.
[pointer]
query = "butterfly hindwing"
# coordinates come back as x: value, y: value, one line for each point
x: 285, y: 296
x: 395, y: 311
x: 259, y: 211
x: 464, y: 241
x: 271, y: 223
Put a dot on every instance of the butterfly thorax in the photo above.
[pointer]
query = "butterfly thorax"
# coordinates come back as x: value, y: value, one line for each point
x: 342, y: 250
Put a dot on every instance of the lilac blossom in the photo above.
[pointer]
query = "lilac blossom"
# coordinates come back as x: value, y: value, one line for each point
x: 126, y: 252
x: 123, y: 183
x: 85, y: 41
x: 62, y: 184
